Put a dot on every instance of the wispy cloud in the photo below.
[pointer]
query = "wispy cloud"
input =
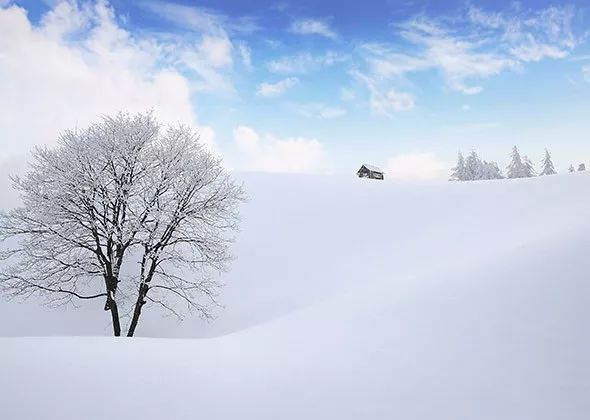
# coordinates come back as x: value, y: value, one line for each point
x: 466, y: 50
x: 310, y: 26
x: 268, y: 89
x: 304, y: 62
x: 200, y: 19
x: 461, y: 59
x: 385, y: 101
x: 318, y: 111
x: 246, y: 55
x: 531, y: 35
x: 205, y: 43
x: 586, y: 72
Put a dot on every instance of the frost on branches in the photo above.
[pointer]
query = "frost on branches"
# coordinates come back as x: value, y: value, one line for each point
x: 548, y: 168
x: 124, y: 211
x: 519, y: 167
x: 473, y: 168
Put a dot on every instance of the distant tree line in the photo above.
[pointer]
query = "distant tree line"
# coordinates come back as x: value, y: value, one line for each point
x: 474, y: 168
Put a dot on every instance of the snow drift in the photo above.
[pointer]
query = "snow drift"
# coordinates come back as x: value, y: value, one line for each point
x: 348, y: 300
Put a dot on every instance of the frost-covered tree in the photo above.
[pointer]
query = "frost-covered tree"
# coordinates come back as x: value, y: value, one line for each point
x: 473, y: 167
x: 547, y: 165
x: 490, y: 170
x: 458, y: 172
x: 516, y: 168
x: 581, y: 167
x: 571, y: 169
x: 529, y: 169
x: 123, y: 196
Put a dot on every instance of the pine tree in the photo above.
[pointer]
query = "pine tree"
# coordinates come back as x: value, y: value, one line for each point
x: 516, y: 169
x: 571, y: 169
x: 529, y: 169
x: 582, y: 167
x: 491, y: 171
x: 548, y: 168
x: 473, y: 167
x: 458, y: 172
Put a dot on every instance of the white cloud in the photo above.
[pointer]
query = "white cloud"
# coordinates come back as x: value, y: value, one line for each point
x: 531, y: 35
x: 246, y: 54
x: 200, y: 19
x: 188, y: 17
x: 391, y: 101
x: 273, y: 43
x: 416, y: 167
x: 385, y: 102
x: 469, y: 49
x: 246, y: 139
x: 268, y: 89
x: 216, y: 50
x: 313, y: 27
x: 532, y: 51
x: 270, y: 154
x: 60, y: 81
x: 459, y: 58
x: 320, y: 111
x: 206, y: 47
x: 586, y: 72
x: 304, y: 62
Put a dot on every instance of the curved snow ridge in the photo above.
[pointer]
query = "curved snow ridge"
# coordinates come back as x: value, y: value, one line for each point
x: 467, y: 272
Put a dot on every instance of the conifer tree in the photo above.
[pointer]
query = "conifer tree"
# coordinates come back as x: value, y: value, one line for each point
x: 529, y: 169
x: 491, y: 171
x: 458, y: 172
x: 473, y: 167
x: 516, y: 168
x: 548, y: 168
x: 571, y: 169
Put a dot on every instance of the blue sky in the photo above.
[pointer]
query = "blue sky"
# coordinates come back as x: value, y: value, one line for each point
x: 312, y: 86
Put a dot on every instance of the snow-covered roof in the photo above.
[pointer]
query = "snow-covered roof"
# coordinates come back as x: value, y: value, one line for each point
x: 372, y: 168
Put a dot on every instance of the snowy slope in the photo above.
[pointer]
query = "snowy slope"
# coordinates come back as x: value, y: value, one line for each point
x: 349, y: 300
x: 304, y: 238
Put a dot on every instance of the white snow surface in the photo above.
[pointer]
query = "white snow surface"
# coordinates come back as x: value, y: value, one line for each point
x: 349, y: 299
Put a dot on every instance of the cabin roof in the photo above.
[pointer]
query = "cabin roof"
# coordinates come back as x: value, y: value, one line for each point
x: 372, y: 168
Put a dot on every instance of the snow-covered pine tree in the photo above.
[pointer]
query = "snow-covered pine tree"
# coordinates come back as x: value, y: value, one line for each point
x: 529, y: 169
x: 473, y: 167
x: 516, y: 168
x: 581, y: 167
x: 491, y: 171
x: 458, y: 172
x: 548, y: 168
x: 571, y: 169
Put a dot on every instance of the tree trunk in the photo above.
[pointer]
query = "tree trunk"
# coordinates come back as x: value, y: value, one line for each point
x: 143, y: 289
x: 114, y: 315
x: 111, y: 304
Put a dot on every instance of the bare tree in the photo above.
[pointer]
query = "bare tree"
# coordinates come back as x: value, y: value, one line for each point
x: 119, y: 193
x: 195, y: 202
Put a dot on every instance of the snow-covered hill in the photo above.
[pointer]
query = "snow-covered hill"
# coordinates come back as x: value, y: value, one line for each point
x: 348, y: 300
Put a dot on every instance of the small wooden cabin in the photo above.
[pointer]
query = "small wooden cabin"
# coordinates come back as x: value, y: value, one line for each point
x: 370, y: 171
